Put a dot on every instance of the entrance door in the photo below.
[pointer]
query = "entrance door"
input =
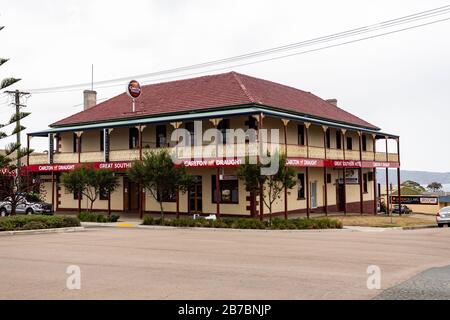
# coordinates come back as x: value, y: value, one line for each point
x: 313, y: 194
x: 130, y: 195
x: 340, y: 196
x: 195, y: 196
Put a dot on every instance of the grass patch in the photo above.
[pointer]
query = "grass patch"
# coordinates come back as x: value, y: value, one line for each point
x: 384, y: 221
x: 247, y: 223
x: 97, y: 217
x: 32, y: 222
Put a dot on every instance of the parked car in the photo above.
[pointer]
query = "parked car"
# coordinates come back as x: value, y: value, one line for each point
x: 26, y: 205
x: 443, y: 217
x: 404, y: 210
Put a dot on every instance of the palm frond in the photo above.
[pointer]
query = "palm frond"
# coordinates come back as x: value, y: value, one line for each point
x: 8, y: 82
x: 23, y: 152
x: 18, y: 116
x: 11, y: 148
x: 18, y: 129
x: 3, y: 60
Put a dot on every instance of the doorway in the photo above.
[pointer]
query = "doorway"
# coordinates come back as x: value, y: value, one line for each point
x: 195, y: 195
x: 340, y: 196
x: 131, y: 195
x: 313, y: 194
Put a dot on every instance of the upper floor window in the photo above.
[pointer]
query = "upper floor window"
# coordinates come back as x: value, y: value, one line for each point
x: 328, y: 138
x: 338, y: 139
x: 161, y: 136
x: 364, y: 142
x: 301, y: 134
x: 349, y: 143
x: 134, y: 138
x: 102, y: 140
x: 223, y: 126
x: 251, y: 123
x: 189, y: 126
x: 76, y: 143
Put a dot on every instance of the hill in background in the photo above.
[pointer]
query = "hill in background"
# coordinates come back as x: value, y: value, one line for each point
x: 422, y: 177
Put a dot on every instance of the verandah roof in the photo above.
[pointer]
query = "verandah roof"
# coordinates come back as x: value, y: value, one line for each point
x: 250, y: 110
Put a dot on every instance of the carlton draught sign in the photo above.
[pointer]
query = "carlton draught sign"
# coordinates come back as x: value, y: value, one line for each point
x: 134, y: 89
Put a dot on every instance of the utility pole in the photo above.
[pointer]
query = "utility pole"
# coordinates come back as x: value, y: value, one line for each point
x: 17, y: 95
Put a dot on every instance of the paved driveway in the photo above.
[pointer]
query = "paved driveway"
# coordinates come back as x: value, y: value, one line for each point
x: 122, y: 263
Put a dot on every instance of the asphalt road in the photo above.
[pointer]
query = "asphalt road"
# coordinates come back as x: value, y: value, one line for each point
x: 431, y: 284
x: 121, y: 263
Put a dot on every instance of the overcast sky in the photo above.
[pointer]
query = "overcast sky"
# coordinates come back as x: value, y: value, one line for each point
x: 399, y: 82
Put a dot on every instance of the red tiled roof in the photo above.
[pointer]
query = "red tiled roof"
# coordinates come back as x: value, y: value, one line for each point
x: 212, y: 92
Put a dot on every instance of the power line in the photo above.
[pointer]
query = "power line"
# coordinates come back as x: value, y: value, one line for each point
x: 341, y: 35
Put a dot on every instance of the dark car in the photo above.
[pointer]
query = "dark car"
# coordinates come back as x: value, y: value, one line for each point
x: 404, y: 210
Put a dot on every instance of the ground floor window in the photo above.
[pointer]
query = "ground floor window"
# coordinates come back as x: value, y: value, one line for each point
x: 75, y: 195
x: 301, y: 186
x: 229, y: 190
x: 103, y: 194
x: 168, y: 196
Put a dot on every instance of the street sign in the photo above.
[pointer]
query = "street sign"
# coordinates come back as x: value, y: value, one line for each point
x: 425, y: 200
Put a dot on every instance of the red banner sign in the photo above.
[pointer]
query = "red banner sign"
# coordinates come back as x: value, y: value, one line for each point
x: 123, y: 165
x: 302, y: 162
x: 210, y: 163
x: 213, y: 163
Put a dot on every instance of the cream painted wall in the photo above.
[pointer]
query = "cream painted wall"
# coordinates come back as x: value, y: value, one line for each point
x: 66, y: 142
x: 119, y: 139
x: 315, y: 134
x: 90, y: 141
x: 68, y: 202
x: 208, y: 206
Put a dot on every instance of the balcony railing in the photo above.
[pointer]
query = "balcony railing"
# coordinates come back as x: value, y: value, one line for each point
x: 124, y: 155
x: 65, y: 157
x: 96, y: 156
x: 38, y: 159
x: 221, y: 151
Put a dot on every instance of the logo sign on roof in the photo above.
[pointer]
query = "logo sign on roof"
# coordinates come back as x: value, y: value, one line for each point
x: 134, y: 89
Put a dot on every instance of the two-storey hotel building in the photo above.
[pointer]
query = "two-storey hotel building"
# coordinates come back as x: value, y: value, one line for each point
x: 335, y: 153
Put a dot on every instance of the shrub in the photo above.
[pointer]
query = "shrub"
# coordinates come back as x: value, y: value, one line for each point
x: 30, y: 222
x: 94, y: 217
x: 248, y: 223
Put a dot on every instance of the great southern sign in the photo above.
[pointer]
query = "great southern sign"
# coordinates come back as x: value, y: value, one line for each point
x: 425, y: 200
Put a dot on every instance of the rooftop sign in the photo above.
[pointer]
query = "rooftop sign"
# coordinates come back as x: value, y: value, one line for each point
x: 134, y: 89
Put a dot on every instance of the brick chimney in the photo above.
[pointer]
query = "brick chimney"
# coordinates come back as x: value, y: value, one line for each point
x: 332, y: 101
x: 90, y: 98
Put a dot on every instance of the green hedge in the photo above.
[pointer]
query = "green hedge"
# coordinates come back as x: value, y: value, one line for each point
x: 97, y: 217
x: 30, y: 222
x: 247, y: 223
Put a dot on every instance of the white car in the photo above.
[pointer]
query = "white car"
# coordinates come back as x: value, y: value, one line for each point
x: 443, y: 217
x: 26, y: 207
